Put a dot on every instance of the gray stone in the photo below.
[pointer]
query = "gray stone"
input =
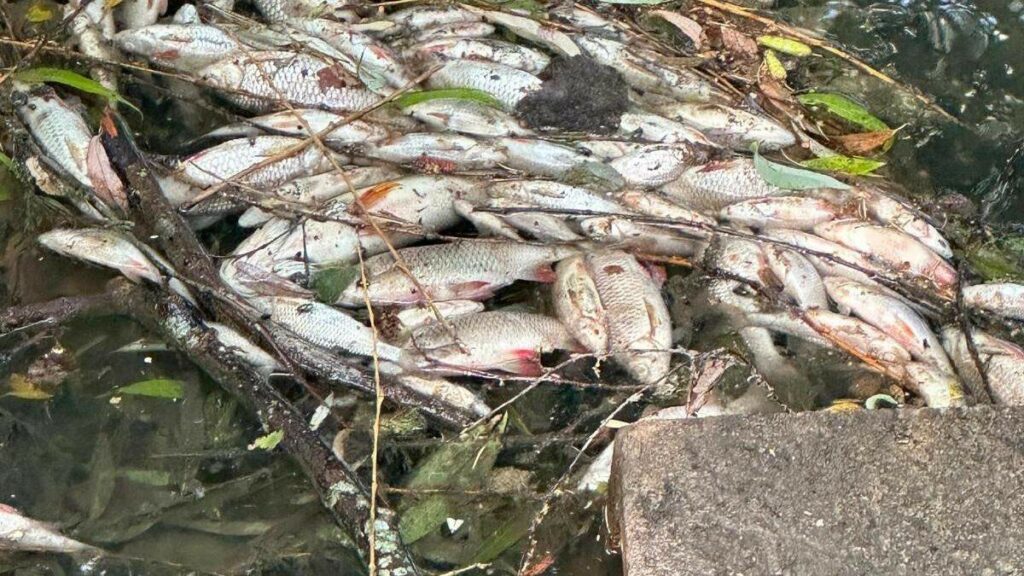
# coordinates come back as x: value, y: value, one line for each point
x: 886, y: 492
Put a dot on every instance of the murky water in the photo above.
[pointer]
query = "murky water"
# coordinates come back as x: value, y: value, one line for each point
x: 171, y: 486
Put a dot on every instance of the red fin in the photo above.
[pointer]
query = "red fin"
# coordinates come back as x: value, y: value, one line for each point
x: 543, y: 273
x: 375, y: 195
x: 476, y: 290
x: 524, y: 362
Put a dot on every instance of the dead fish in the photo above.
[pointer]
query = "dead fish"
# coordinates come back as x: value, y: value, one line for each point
x: 1002, y: 361
x: 891, y: 316
x: 245, y: 349
x: 282, y: 10
x: 892, y: 212
x: 187, y: 47
x: 521, y: 339
x: 544, y: 35
x: 92, y: 29
x: 641, y: 238
x: 134, y: 14
x: 793, y: 212
x: 424, y: 203
x: 370, y: 58
x: 258, y: 81
x: 552, y: 195
x: 652, y: 203
x: 426, y: 16
x: 644, y: 73
x: 938, y: 388
x: 104, y: 247
x: 654, y: 128
x: 657, y: 164
x: 455, y: 30
x: 830, y: 258
x: 436, y: 152
x: 466, y: 117
x: 506, y: 84
x: 492, y: 50
x: 741, y: 259
x: 893, y: 248
x: 1004, y: 299
x: 712, y: 186
x: 800, y: 280
x: 857, y: 336
x: 335, y: 130
x: 20, y: 533
x: 413, y: 318
x: 445, y: 391
x: 610, y: 304
x: 539, y: 157
x: 59, y: 130
x: 225, y: 162
x: 730, y: 127
x: 459, y: 270
x: 326, y: 327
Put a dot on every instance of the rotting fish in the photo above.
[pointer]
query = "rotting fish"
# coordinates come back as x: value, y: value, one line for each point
x: 445, y: 50
x: 644, y: 73
x: 104, y: 247
x: 657, y: 205
x: 731, y: 127
x: 794, y: 212
x: 740, y: 258
x: 413, y: 318
x: 657, y: 164
x: 326, y: 327
x: 435, y: 152
x: 712, y: 186
x: 426, y: 16
x: 281, y: 10
x: 938, y: 388
x: 424, y: 203
x: 506, y: 84
x: 139, y: 13
x: 21, y: 533
x: 654, y: 128
x: 553, y: 195
x: 642, y: 238
x: 892, y: 212
x: 1004, y: 299
x: 59, y: 130
x: 893, y: 248
x: 245, y: 349
x: 830, y: 258
x: 335, y: 130
x: 455, y: 30
x: 538, y: 157
x: 184, y: 47
x: 466, y: 117
x: 459, y: 270
x: 263, y: 162
x: 555, y: 40
x: 856, y: 336
x: 475, y: 347
x: 800, y: 280
x: 891, y: 316
x: 92, y: 28
x: 259, y: 81
x: 370, y: 58
x: 610, y: 304
x: 445, y: 391
x: 1002, y: 361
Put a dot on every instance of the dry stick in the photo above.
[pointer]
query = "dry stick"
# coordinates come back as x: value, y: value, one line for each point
x: 339, y: 487
x: 811, y: 40
x: 983, y: 394
x: 53, y: 312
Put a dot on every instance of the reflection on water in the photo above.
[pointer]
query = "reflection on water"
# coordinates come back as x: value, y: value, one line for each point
x: 173, y: 481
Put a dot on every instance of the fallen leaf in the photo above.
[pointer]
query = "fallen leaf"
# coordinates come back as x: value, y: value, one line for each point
x: 774, y: 65
x: 690, y: 28
x: 156, y: 388
x: 793, y: 178
x: 854, y: 166
x: 267, y: 442
x: 785, y: 45
x: 471, y: 94
x: 105, y: 181
x: 844, y: 108
x: 22, y: 387
x: 864, y: 142
x: 739, y: 44
x: 37, y: 14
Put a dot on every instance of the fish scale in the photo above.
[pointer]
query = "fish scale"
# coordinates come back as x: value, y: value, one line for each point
x: 714, y: 185
x: 224, y: 161
x: 493, y: 50
x: 60, y: 131
x: 186, y: 47
x: 1003, y: 363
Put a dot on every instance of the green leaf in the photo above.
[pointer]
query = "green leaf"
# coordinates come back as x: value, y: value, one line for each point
x: 268, y: 442
x: 157, y: 388
x: 148, y: 477
x: 853, y: 165
x: 793, y: 178
x: 422, y: 518
x: 72, y: 79
x: 512, y: 531
x: 37, y: 14
x: 471, y: 94
x: 844, y: 108
x: 774, y: 65
x: 785, y: 45
x: 6, y: 161
x: 329, y: 283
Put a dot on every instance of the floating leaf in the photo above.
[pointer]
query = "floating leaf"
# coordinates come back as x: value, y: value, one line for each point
x: 846, y: 164
x: 22, y: 387
x: 156, y: 388
x: 267, y: 442
x: 37, y: 14
x: 793, y: 178
x: 785, y: 45
x: 72, y: 79
x: 844, y: 108
x: 865, y: 142
x: 774, y: 65
x: 329, y: 283
x: 471, y: 94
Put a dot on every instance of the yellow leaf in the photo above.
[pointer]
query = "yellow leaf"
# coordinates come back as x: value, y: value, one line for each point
x: 774, y: 65
x: 785, y: 45
x: 22, y: 387
x: 110, y: 4
x: 37, y: 14
x: 843, y: 405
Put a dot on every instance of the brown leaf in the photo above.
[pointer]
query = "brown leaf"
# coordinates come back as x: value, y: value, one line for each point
x: 739, y: 44
x: 688, y: 27
x: 105, y: 182
x: 864, y: 142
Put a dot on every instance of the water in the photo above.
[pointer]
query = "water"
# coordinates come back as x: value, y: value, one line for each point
x: 171, y: 485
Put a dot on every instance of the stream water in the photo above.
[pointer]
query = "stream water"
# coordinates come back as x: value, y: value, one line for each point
x: 173, y: 486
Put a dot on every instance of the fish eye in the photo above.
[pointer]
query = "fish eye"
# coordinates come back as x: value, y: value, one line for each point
x: 19, y: 98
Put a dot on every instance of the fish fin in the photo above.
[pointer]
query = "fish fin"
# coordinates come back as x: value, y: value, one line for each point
x: 376, y: 194
x: 474, y: 290
x: 522, y: 362
x: 543, y: 273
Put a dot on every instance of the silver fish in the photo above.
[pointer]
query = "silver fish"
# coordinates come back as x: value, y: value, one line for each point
x: 793, y: 212
x: 1002, y: 361
x: 466, y: 117
x: 938, y: 388
x: 895, y: 213
x: 858, y: 337
x: 455, y: 30
x: 506, y: 84
x: 281, y: 10
x: 448, y: 392
x: 660, y: 206
x: 714, y: 185
x: 104, y: 247
x: 553, y: 195
x: 427, y: 16
x: 326, y: 327
x: 654, y: 128
x: 480, y: 49
x: 58, y: 129
x: 425, y: 203
x: 436, y: 152
x: 521, y: 339
x: 21, y: 533
x: 224, y: 162
x: 644, y: 72
x: 258, y: 81
x: 185, y: 47
x: 293, y: 123
x: 459, y: 270
x: 730, y: 127
x: 139, y: 13
x: 370, y: 58
x: 245, y: 349
x: 656, y: 164
x: 641, y: 238
x: 1004, y: 299
x: 548, y: 36
x: 800, y: 280
x: 413, y: 318
x: 92, y: 28
x: 539, y: 157
x: 830, y: 258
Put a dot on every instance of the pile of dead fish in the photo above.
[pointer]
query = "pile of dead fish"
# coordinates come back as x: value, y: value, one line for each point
x: 444, y: 201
